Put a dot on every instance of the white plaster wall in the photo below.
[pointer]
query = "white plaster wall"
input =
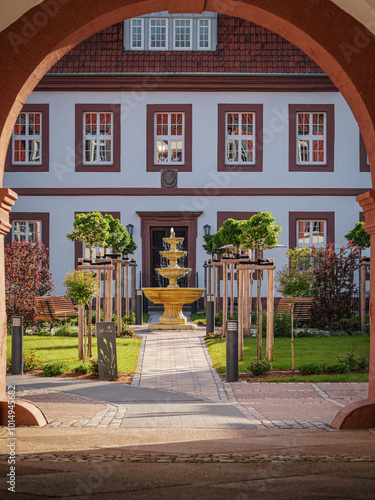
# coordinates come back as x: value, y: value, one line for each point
x: 133, y: 142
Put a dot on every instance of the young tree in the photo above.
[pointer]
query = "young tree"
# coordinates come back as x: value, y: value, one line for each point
x: 230, y: 233
x: 92, y: 229
x: 27, y: 276
x: 130, y: 248
x: 258, y: 233
x: 359, y: 237
x: 333, y: 287
x: 118, y: 237
x: 213, y: 243
x: 81, y: 287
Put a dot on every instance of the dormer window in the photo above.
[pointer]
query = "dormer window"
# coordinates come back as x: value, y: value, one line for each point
x: 163, y: 31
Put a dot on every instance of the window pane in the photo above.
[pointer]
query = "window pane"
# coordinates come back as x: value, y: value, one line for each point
x: 90, y: 150
x: 318, y: 124
x: 318, y: 151
x: 136, y: 33
x: 19, y: 150
x: 176, y: 151
x: 19, y: 231
x: 232, y: 123
x: 161, y: 151
x: 34, y: 231
x: 247, y: 123
x: 303, y: 232
x: 90, y: 123
x: 34, y: 151
x: 303, y: 151
x: 232, y: 150
x: 247, y: 151
x: 303, y: 123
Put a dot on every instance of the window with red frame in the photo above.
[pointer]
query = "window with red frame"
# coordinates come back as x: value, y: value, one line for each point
x: 27, y: 139
x: 311, y: 232
x: 97, y: 138
x: 169, y: 138
x: 311, y: 138
x: 240, y: 138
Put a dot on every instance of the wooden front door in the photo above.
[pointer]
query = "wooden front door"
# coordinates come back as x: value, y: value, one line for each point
x: 157, y: 245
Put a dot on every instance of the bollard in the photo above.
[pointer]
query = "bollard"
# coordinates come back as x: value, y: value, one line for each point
x: 139, y: 308
x: 210, y: 314
x: 17, y: 345
x: 232, y: 351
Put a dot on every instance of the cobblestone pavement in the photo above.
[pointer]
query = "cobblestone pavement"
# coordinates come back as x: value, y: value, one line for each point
x: 176, y: 386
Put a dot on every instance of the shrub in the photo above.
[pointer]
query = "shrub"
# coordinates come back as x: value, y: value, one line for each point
x: 27, y: 276
x: 260, y: 367
x: 336, y: 368
x: 126, y: 331
x: 350, y: 358
x: 312, y: 368
x: 215, y: 335
x: 200, y: 322
x: 66, y: 331
x: 94, y: 366
x: 348, y: 324
x: 81, y: 287
x: 129, y: 318
x: 363, y: 362
x: 42, y: 333
x: 339, y: 333
x: 282, y: 324
x: 81, y: 368
x: 219, y: 319
x: 53, y: 369
x: 333, y: 286
x: 32, y: 361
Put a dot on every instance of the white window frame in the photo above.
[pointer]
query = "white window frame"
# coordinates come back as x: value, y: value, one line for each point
x: 27, y: 138
x: 199, y: 47
x: 27, y: 230
x: 239, y: 137
x: 166, y: 47
x: 310, y: 138
x: 140, y: 24
x: 190, y: 26
x: 311, y: 233
x: 98, y: 138
x: 169, y: 138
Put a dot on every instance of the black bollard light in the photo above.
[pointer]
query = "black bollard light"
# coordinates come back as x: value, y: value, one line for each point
x: 17, y: 345
x: 139, y: 308
x: 210, y: 314
x: 232, y: 351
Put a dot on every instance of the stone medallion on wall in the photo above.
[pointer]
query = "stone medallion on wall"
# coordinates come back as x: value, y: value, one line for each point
x: 169, y: 178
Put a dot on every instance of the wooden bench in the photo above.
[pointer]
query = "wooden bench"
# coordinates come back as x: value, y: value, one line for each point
x: 302, y: 307
x: 54, y: 308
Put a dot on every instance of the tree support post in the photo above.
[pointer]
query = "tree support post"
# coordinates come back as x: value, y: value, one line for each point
x: 270, y: 312
x: 240, y: 302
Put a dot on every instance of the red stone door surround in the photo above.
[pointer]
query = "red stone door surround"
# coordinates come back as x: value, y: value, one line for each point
x: 162, y: 219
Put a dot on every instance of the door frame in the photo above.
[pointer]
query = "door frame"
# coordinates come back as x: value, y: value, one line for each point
x: 162, y: 219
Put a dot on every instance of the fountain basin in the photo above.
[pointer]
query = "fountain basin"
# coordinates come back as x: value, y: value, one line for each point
x: 173, y: 274
x: 173, y: 300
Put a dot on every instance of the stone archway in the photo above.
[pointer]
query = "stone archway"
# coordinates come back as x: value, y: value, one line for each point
x: 335, y: 40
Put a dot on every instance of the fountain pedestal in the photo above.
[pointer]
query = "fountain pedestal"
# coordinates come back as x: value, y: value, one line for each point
x: 173, y: 297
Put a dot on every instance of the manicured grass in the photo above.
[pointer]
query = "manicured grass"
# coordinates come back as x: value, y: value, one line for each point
x: 198, y: 317
x: 320, y: 349
x: 65, y: 350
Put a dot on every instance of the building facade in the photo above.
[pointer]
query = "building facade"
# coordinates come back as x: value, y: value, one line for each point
x: 184, y: 121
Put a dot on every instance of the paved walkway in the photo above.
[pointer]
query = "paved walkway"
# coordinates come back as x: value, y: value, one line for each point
x: 176, y: 387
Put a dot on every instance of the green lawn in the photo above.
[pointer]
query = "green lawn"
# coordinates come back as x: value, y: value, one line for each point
x: 321, y: 349
x: 65, y: 349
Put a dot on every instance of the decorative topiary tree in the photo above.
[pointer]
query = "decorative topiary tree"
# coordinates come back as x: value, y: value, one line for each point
x: 213, y: 244
x: 118, y: 238
x: 129, y: 249
x: 230, y: 233
x: 92, y: 229
x: 258, y: 233
x: 81, y: 287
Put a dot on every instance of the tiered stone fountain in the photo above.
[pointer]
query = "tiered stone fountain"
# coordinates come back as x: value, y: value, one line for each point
x: 173, y: 297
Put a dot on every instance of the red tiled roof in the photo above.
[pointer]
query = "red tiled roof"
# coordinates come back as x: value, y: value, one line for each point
x: 242, y: 47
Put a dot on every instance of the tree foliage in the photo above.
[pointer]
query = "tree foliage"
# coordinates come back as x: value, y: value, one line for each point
x: 358, y: 236
x: 213, y: 243
x: 259, y: 232
x: 297, y: 278
x: 130, y: 248
x: 92, y: 229
x: 118, y: 238
x: 81, y: 287
x: 27, y: 277
x: 230, y: 233
x: 333, y: 286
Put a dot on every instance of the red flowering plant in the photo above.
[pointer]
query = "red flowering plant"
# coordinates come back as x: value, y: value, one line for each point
x: 333, y: 287
x: 27, y: 277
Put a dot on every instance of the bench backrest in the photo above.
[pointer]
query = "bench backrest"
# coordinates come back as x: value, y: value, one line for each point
x: 302, y: 307
x: 52, y: 308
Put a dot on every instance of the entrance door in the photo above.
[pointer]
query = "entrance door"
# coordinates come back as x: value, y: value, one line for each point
x: 157, y: 245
